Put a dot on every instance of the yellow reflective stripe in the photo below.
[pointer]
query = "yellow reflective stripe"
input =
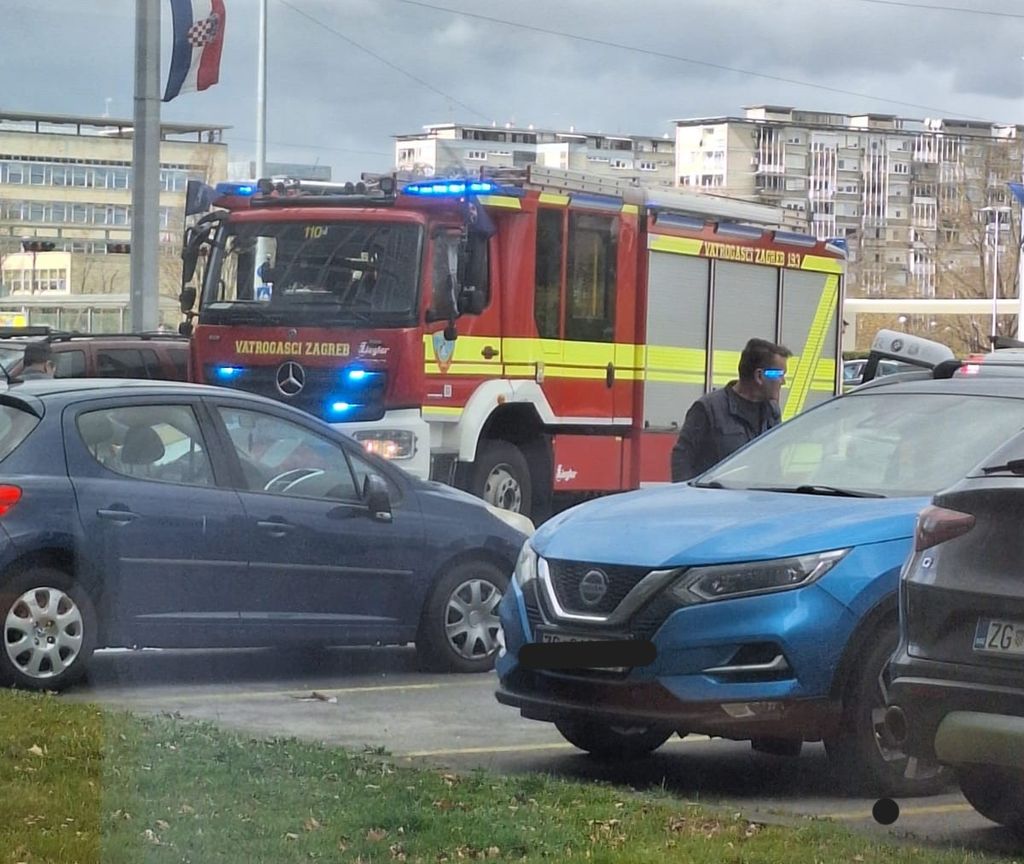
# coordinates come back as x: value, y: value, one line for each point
x: 493, y: 369
x: 631, y: 209
x: 506, y: 201
x: 442, y: 410
x: 552, y: 198
x: 678, y: 245
x: 811, y: 355
x: 821, y: 264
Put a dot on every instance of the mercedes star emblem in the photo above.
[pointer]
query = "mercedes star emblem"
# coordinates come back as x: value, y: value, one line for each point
x: 593, y: 587
x: 291, y: 378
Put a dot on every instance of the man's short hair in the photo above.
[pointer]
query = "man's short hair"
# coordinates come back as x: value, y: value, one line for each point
x: 758, y: 354
x: 37, y: 353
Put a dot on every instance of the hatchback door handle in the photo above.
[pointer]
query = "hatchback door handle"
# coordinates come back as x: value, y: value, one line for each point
x: 276, y: 527
x: 117, y: 515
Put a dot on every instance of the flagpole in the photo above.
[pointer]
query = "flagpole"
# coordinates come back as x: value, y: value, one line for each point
x: 145, y: 288
x: 261, y: 96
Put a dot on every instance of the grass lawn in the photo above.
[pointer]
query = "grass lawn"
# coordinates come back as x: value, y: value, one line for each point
x: 78, y: 784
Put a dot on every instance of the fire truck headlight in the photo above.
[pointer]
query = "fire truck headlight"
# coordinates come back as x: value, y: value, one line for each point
x: 388, y: 443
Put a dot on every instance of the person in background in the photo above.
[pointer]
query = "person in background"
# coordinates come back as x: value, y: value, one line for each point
x: 38, y: 362
x: 722, y: 421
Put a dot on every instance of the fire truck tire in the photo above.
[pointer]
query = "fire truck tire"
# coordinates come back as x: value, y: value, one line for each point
x: 501, y: 476
x: 459, y: 626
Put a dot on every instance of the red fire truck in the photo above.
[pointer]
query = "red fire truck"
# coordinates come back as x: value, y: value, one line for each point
x: 518, y: 336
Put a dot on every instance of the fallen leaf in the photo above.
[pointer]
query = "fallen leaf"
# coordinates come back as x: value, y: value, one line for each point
x: 291, y: 836
x: 311, y: 824
x: 186, y: 810
x: 150, y: 837
x: 163, y: 826
x: 36, y: 750
x: 375, y: 835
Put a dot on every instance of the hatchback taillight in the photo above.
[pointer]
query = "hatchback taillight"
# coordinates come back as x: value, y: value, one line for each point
x: 937, y: 525
x: 9, y: 496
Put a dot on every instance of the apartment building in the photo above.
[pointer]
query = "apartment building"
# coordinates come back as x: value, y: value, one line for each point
x: 453, y: 148
x: 919, y: 202
x: 67, y: 181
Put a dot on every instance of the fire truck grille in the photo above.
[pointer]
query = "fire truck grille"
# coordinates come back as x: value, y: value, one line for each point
x: 595, y: 589
x: 323, y: 391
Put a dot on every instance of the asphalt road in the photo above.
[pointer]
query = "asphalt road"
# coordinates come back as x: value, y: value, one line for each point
x: 376, y: 698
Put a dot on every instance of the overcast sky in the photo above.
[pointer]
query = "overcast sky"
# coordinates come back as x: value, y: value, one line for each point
x: 331, y: 101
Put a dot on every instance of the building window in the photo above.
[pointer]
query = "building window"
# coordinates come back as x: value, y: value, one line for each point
x: 648, y: 166
x: 477, y: 155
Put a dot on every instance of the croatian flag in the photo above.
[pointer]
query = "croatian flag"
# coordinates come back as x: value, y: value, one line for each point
x: 198, y: 40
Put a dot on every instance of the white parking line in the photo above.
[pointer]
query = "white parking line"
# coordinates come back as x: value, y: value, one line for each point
x: 241, y: 696
x: 525, y: 748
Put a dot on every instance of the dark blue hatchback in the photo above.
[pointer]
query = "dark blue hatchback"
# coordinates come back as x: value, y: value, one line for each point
x: 175, y: 515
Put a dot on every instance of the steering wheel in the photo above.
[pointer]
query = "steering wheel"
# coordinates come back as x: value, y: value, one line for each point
x: 290, y: 478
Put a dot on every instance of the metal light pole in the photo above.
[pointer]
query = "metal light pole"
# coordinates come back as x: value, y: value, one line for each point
x: 146, y: 168
x: 997, y: 211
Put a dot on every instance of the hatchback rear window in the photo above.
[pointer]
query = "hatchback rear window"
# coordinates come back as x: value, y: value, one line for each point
x: 15, y: 425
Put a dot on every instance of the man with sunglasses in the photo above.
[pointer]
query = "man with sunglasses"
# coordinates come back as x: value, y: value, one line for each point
x: 722, y: 421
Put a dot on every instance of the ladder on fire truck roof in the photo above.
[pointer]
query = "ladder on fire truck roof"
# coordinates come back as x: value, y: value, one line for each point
x: 700, y: 205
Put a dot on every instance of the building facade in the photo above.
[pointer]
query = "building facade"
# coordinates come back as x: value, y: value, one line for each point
x: 923, y: 205
x: 457, y: 149
x: 67, y: 181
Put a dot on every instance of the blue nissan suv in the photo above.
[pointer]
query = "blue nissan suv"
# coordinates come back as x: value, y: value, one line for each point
x: 758, y: 601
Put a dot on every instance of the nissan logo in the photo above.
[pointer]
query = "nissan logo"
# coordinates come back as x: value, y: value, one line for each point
x: 291, y: 378
x: 593, y: 587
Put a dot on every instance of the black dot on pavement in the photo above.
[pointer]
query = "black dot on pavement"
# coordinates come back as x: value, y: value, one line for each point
x: 886, y: 811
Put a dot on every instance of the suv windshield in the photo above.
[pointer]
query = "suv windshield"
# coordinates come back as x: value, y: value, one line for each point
x: 314, y: 273
x: 894, y: 444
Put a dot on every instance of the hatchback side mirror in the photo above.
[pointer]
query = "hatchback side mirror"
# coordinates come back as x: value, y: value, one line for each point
x: 377, y: 498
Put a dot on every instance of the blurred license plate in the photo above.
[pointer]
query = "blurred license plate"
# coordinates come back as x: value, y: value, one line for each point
x: 999, y: 637
x: 549, y: 637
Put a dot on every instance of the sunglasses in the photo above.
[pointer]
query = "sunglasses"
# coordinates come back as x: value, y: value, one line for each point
x: 773, y: 374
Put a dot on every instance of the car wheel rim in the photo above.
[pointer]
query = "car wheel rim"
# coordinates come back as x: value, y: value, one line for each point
x: 503, y: 490
x: 43, y: 633
x: 471, y: 619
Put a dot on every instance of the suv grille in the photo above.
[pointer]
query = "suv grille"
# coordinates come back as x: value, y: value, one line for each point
x: 567, y: 578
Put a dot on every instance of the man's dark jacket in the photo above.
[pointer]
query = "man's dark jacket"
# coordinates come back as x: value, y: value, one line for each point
x: 717, y: 425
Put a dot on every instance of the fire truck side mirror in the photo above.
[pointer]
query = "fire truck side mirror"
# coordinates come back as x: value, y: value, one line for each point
x: 187, y: 298
x: 451, y: 332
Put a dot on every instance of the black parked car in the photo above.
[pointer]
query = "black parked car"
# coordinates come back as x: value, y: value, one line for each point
x: 175, y: 515
x: 957, y: 679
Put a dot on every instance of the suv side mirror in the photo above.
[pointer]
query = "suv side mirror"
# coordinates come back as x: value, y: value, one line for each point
x: 187, y: 298
x: 377, y: 498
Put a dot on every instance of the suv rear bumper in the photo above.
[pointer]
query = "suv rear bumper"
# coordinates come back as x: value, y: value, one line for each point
x: 959, y: 714
x: 554, y: 698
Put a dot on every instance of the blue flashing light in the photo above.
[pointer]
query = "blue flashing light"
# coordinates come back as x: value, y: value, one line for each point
x: 356, y: 375
x: 454, y: 188
x: 241, y: 190
x: 340, y: 407
x: 227, y: 373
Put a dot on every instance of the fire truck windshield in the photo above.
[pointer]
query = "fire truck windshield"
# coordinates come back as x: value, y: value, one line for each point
x: 309, y: 273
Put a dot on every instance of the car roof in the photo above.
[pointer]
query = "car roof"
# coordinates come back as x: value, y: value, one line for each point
x: 45, y: 389
x: 972, y: 385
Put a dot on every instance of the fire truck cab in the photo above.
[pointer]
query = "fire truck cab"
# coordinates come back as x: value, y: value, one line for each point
x: 518, y: 336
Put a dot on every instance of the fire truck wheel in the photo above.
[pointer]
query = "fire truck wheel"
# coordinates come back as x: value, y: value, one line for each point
x: 501, y: 476
x: 459, y: 627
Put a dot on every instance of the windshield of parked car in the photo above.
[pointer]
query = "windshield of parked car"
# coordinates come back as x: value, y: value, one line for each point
x: 10, y: 356
x: 893, y: 444
x: 295, y: 273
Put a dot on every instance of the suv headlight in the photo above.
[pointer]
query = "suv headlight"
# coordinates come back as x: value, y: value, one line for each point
x: 387, y: 443
x: 725, y: 581
x: 526, y: 566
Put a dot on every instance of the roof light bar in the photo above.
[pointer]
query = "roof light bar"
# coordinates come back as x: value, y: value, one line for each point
x: 454, y: 188
x: 241, y: 190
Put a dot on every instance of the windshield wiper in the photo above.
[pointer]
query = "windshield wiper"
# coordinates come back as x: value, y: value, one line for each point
x: 1014, y: 466
x: 818, y: 489
x: 711, y: 484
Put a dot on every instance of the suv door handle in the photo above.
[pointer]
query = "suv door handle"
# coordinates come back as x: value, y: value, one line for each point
x: 276, y: 527
x: 117, y: 514
x: 609, y: 375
